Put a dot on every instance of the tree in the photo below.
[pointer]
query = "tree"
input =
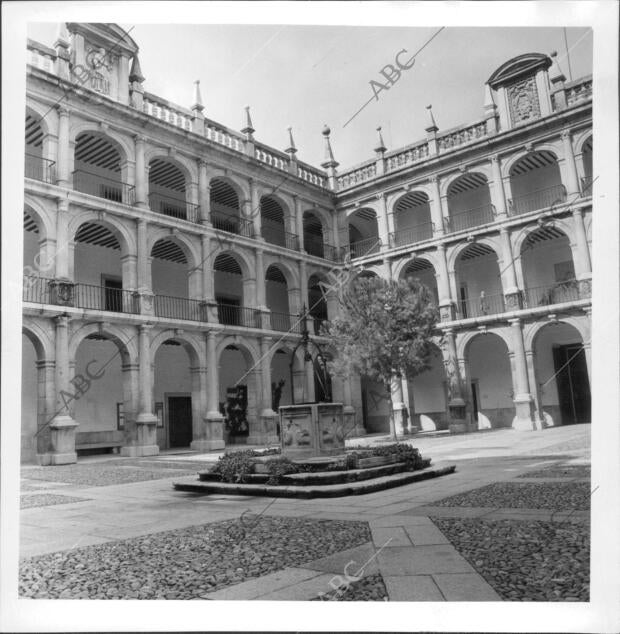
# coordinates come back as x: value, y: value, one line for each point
x: 384, y: 331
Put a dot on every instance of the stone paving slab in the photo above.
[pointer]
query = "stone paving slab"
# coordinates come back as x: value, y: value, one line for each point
x: 448, y: 511
x: 426, y: 535
x: 400, y: 520
x: 414, y: 588
x: 253, y: 588
x: 421, y: 560
x: 465, y: 587
x: 389, y: 537
x: 303, y: 591
x: 363, y: 558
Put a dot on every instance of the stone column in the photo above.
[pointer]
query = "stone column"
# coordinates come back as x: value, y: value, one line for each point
x: 446, y: 305
x: 146, y: 421
x: 267, y: 433
x: 435, y: 205
x: 456, y: 400
x: 62, y: 240
x: 144, y: 269
x: 252, y: 210
x: 498, y: 194
x: 382, y: 222
x: 62, y: 426
x: 523, y: 419
x: 299, y: 221
x: 335, y: 231
x: 141, y: 198
x: 62, y: 163
x: 204, y: 193
x: 572, y: 180
x: 208, y: 304
x: 581, y: 255
x: 214, y: 421
x: 511, y: 291
x: 303, y: 283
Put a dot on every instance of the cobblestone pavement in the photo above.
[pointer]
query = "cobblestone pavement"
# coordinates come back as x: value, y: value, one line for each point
x: 47, y: 499
x: 561, y: 471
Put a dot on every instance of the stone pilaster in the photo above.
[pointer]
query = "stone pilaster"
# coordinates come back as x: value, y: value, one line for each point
x: 524, y: 414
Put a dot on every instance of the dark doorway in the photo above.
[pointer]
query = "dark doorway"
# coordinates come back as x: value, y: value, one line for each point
x: 113, y: 289
x: 180, y: 420
x: 573, y: 385
x: 474, y: 400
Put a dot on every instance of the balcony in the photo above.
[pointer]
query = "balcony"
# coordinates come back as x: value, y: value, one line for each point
x: 540, y: 199
x: 283, y: 322
x: 40, y: 169
x: 470, y: 218
x: 237, y: 315
x: 174, y: 207
x: 232, y: 224
x: 364, y: 247
x: 178, y: 308
x: 481, y: 306
x: 96, y: 185
x: 411, y: 235
x: 558, y: 293
x: 279, y: 237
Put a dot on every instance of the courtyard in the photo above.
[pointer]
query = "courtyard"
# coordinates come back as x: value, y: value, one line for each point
x: 511, y: 524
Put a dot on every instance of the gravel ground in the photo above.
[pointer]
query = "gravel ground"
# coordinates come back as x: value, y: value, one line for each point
x: 561, y: 496
x: 368, y: 588
x: 525, y: 560
x: 101, y: 474
x: 186, y: 563
x: 47, y: 499
x: 144, y: 463
x: 560, y: 471
x: 580, y: 443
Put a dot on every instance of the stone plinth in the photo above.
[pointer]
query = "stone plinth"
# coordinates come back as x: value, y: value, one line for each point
x: 312, y: 429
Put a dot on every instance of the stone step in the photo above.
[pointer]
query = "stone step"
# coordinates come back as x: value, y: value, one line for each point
x: 318, y: 477
x: 316, y: 491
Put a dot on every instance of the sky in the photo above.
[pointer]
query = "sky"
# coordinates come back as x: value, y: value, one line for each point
x: 308, y: 76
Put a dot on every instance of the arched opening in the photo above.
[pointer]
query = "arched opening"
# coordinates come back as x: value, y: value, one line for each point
x: 238, y: 393
x: 428, y: 395
x: 226, y: 210
x: 478, y: 282
x: 375, y: 406
x: 412, y: 219
x: 422, y: 270
x: 176, y: 394
x: 168, y: 191
x: 469, y: 202
x: 490, y: 388
x: 98, y: 169
x: 100, y: 273
x: 170, y: 275
x: 561, y: 368
x: 313, y: 235
x: 535, y: 182
x: 273, y: 225
x: 229, y: 292
x: 277, y: 297
x: 586, y: 157
x: 317, y: 305
x: 33, y: 392
x: 106, y: 407
x: 38, y: 269
x: 548, y: 269
x: 37, y: 166
x: 363, y: 233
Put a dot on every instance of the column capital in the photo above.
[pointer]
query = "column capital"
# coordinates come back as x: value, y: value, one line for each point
x: 62, y: 320
x: 565, y: 134
x: 211, y: 335
x: 63, y: 204
x: 139, y: 138
x: 145, y: 328
x: 494, y: 158
x: 433, y: 178
x: 62, y: 110
x: 515, y: 322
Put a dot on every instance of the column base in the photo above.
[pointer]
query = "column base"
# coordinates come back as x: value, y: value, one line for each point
x: 62, y: 438
x: 524, y: 418
x: 139, y: 451
x: 207, y: 445
x: 53, y: 459
x: 401, y: 417
x: 458, y: 427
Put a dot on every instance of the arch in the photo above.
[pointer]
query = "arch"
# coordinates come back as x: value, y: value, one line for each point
x: 581, y: 139
x: 45, y: 116
x: 183, y: 164
x: 238, y: 187
x: 126, y: 344
x: 532, y: 330
x: 468, y: 198
x: 279, y: 358
x: 412, y: 218
x: 124, y: 146
x: 116, y: 226
x: 275, y: 220
x: 169, y: 184
x: 249, y: 349
x: 182, y: 240
x: 414, y: 265
x: 393, y: 197
x: 363, y: 232
x: 246, y: 267
x: 45, y: 221
x: 554, y: 148
x: 456, y: 251
x: 482, y: 170
x: 313, y: 232
x: 291, y: 274
x: 41, y: 342
x: 37, y: 147
x: 464, y: 339
x: 401, y: 263
x: 190, y: 342
x: 565, y: 225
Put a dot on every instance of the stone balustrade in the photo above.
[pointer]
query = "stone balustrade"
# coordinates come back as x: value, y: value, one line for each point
x: 358, y: 175
x: 266, y: 155
x: 578, y: 91
x: 311, y: 174
x: 406, y: 156
x: 222, y: 135
x: 165, y: 111
x: 41, y: 57
x: 462, y: 135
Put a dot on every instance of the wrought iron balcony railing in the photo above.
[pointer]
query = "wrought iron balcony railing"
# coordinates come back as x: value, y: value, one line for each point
x: 411, y: 235
x: 236, y: 315
x: 481, y: 306
x: 539, y: 199
x: 232, y: 224
x: 558, y: 293
x: 276, y: 235
x: 175, y: 207
x: 178, y: 308
x: 40, y: 169
x: 103, y: 187
x: 284, y: 322
x: 364, y: 247
x: 470, y: 218
x: 313, y: 245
